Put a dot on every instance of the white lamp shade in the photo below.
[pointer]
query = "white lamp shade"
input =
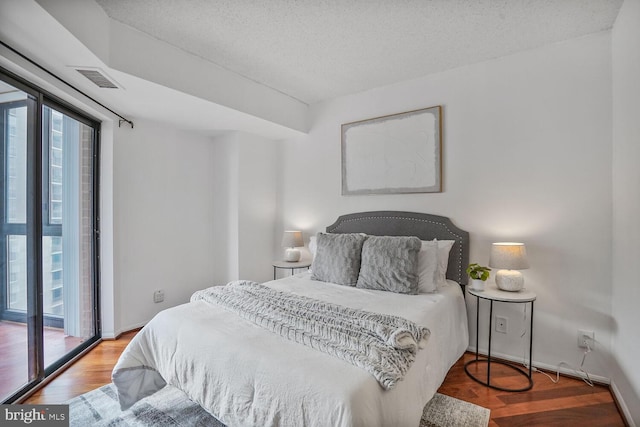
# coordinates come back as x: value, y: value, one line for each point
x: 292, y: 239
x: 508, y: 256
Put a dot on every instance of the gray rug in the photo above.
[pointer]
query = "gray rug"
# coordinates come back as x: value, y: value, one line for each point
x: 171, y: 407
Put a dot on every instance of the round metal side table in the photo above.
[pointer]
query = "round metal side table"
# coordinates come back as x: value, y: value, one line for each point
x: 493, y: 294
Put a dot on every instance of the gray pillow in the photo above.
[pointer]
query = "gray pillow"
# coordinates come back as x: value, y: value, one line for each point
x: 337, y: 258
x: 390, y: 264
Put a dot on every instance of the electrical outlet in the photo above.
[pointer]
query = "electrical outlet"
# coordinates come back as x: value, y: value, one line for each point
x: 158, y: 296
x: 586, y: 338
x: 501, y: 324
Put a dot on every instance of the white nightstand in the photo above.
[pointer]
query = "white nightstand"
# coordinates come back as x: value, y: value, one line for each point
x: 289, y: 266
x: 491, y: 294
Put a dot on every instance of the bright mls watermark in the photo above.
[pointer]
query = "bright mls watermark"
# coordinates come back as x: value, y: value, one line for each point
x: 34, y: 415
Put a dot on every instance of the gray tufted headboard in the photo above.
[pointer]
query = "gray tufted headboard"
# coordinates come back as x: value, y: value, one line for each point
x: 424, y: 226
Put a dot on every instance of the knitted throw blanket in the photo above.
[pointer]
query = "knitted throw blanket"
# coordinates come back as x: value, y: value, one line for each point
x: 383, y: 345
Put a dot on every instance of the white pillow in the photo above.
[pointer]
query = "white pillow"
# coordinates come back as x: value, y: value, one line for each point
x: 427, y: 267
x: 312, y: 246
x: 444, y: 247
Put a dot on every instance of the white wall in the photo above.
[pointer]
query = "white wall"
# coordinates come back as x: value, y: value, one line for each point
x: 245, y: 192
x: 256, y: 206
x: 225, y: 229
x: 527, y: 157
x: 108, y: 311
x: 626, y: 204
x: 163, y: 219
x: 187, y: 211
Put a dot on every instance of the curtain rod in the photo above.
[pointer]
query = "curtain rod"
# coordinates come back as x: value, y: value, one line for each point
x: 122, y: 119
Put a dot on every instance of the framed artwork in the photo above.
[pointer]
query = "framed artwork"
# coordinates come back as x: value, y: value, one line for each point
x: 399, y: 153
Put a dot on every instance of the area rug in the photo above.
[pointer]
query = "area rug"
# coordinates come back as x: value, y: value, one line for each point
x: 171, y: 407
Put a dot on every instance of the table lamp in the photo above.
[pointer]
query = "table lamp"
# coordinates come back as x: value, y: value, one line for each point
x: 509, y: 257
x: 291, y: 240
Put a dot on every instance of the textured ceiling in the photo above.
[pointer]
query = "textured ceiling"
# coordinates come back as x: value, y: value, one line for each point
x: 314, y: 50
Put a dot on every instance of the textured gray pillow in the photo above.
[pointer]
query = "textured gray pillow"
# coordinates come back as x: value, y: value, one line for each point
x: 337, y: 258
x: 390, y: 264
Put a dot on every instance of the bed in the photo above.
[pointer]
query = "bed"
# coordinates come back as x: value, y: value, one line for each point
x: 245, y: 375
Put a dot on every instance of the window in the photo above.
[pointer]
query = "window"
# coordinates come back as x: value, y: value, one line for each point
x: 48, y: 232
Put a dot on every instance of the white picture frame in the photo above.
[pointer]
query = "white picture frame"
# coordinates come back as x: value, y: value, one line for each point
x: 394, y: 154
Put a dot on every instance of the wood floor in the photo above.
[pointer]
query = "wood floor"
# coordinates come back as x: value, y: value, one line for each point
x: 88, y: 373
x: 570, y: 402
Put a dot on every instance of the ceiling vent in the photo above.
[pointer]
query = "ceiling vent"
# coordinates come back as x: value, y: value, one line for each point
x: 97, y: 77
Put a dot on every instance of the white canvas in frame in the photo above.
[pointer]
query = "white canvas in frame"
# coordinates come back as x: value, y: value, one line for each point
x: 400, y: 153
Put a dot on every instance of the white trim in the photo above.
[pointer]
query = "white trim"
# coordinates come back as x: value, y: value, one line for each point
x: 596, y: 378
x: 622, y: 404
x: 116, y: 334
x: 109, y: 336
x: 552, y: 368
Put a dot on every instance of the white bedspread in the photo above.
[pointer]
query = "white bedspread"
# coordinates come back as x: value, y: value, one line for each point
x: 247, y: 376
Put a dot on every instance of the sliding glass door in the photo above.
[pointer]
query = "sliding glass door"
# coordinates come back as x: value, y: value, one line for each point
x: 48, y: 235
x: 67, y: 233
x: 18, y: 305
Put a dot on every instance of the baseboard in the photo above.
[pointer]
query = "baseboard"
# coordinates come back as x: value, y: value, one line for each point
x: 546, y: 367
x: 622, y: 406
x: 115, y: 335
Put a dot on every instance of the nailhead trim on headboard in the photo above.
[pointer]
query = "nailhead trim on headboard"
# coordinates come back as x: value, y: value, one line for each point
x: 343, y: 224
